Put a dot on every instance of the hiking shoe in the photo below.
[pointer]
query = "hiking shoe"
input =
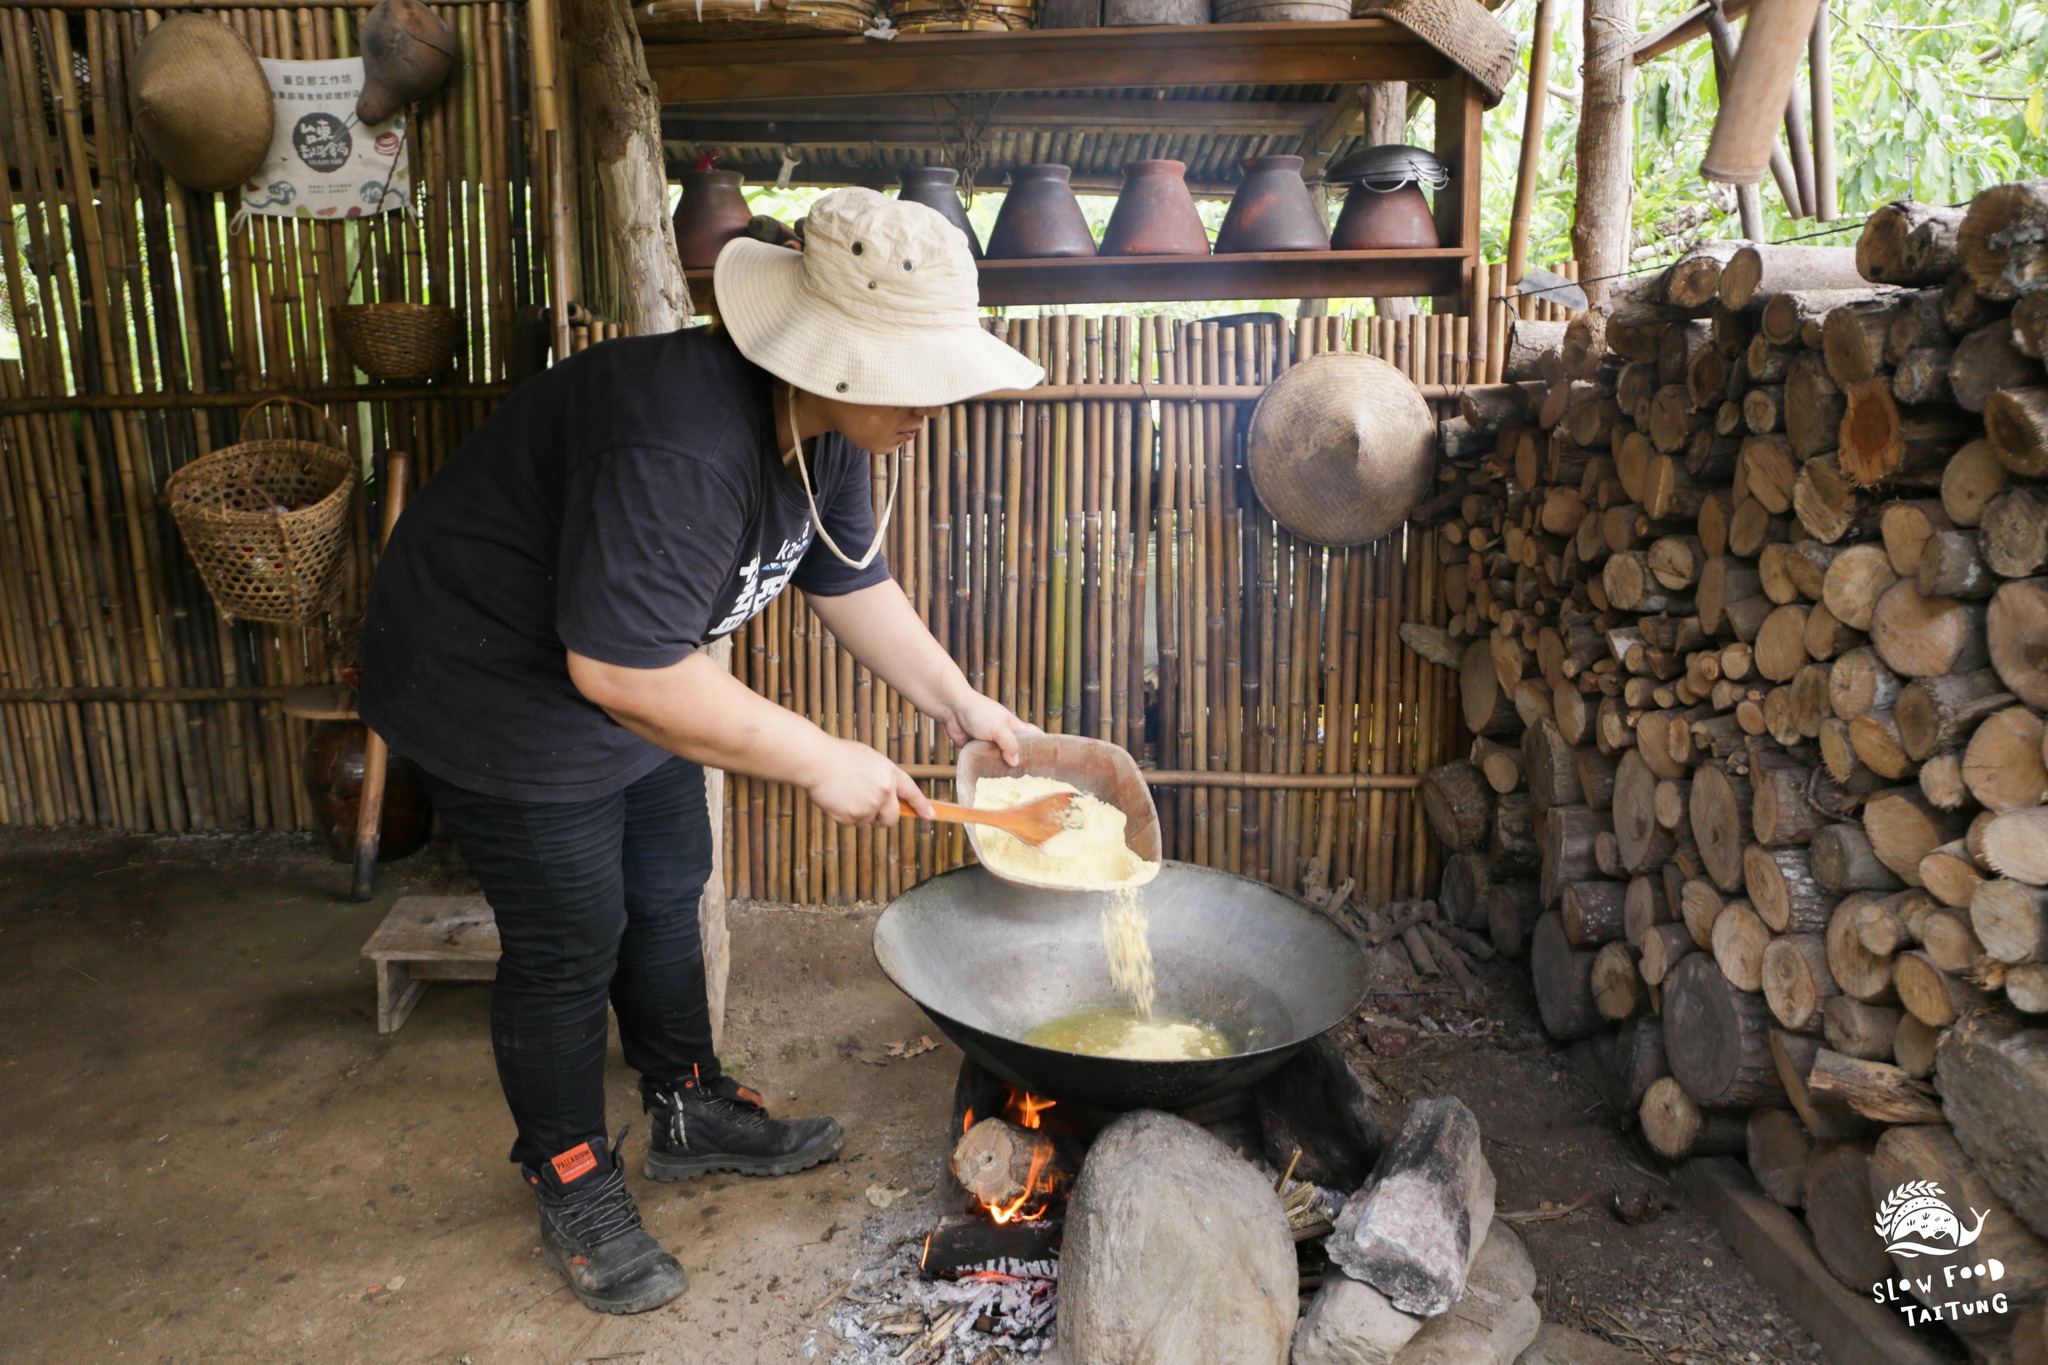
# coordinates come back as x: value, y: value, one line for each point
x: 590, y: 1232
x: 720, y: 1125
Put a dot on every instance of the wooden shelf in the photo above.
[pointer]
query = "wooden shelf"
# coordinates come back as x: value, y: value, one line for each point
x: 785, y: 88
x: 1352, y: 52
x: 1154, y: 279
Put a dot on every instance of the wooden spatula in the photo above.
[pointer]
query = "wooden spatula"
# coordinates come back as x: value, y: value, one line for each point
x: 1034, y: 822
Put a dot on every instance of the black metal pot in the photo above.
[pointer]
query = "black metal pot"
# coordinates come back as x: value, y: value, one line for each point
x: 988, y: 962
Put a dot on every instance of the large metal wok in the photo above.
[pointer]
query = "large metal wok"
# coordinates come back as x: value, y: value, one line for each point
x: 989, y: 962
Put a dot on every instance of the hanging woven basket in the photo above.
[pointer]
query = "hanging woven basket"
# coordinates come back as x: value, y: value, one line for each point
x: 266, y: 521
x: 398, y: 340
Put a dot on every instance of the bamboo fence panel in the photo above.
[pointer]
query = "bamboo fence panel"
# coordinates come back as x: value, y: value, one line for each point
x: 1101, y: 566
x: 144, y: 320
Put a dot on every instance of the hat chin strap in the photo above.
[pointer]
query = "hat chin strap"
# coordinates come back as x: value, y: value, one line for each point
x: 817, y: 521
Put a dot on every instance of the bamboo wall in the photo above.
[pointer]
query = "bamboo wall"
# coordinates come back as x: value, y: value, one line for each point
x: 145, y: 326
x: 1042, y: 541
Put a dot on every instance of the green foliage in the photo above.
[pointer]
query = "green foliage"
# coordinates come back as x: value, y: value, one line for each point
x: 1933, y: 101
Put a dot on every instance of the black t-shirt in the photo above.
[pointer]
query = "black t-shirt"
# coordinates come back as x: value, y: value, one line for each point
x: 630, y: 504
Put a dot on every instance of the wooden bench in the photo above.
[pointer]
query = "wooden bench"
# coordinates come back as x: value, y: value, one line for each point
x: 429, y: 938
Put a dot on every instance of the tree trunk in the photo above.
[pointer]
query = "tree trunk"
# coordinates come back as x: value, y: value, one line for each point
x: 1935, y: 997
x: 1778, y: 1150
x: 1718, y: 1038
x: 2014, y: 541
x: 1860, y: 973
x: 1994, y: 1086
x: 1662, y: 947
x: 1566, y: 836
x: 1855, y: 1029
x: 1720, y: 820
x: 1676, y: 1127
x: 1904, y: 827
x: 1842, y: 860
x: 1739, y: 942
x: 1909, y: 243
x: 2016, y: 421
x: 1796, y: 982
x: 1936, y: 715
x: 2011, y: 919
x: 1459, y: 805
x: 2003, y: 766
x: 2017, y: 625
x: 621, y: 118
x: 1841, y: 1213
x: 1593, y: 912
x: 1563, y: 977
x: 1619, y: 992
x: 1973, y: 476
x: 1639, y: 1058
x: 1512, y: 909
x: 621, y: 126
x: 2016, y: 845
x: 1513, y: 851
x: 1606, y: 171
x: 1759, y: 271
x: 1463, y: 892
x: 1985, y: 362
x: 1932, y: 1153
x: 999, y: 1163
x: 2004, y: 239
x: 1877, y: 1090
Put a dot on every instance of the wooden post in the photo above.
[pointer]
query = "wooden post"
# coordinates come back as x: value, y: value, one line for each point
x: 1726, y: 45
x: 1600, y: 220
x: 1745, y: 127
x: 1821, y: 74
x: 1459, y: 106
x: 376, y: 755
x: 1532, y: 140
x: 623, y: 118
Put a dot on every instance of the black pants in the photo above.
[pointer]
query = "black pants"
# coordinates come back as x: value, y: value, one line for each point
x: 596, y: 901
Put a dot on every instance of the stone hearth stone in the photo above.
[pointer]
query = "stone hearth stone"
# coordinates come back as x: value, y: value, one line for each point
x: 1494, y: 1320
x: 1316, y: 1105
x: 1351, y: 1323
x: 1177, y: 1253
x: 1410, y: 1233
x: 1557, y: 1345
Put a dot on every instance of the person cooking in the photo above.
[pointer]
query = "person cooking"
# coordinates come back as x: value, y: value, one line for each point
x: 534, y: 644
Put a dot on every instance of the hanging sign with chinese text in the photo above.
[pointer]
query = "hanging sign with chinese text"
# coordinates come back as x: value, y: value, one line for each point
x: 322, y: 162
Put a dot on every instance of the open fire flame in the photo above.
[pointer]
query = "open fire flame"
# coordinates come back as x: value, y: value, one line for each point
x: 1024, y: 1109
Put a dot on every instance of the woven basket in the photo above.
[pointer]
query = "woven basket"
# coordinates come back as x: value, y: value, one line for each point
x: 748, y: 20
x: 398, y: 340
x: 965, y: 16
x: 266, y: 521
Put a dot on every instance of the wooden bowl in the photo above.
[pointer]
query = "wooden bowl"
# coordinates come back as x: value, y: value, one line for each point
x: 1103, y: 770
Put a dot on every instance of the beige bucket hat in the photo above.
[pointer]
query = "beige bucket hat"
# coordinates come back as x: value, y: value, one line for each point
x: 879, y: 307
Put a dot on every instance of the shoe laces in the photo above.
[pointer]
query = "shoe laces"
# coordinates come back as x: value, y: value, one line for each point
x: 594, y: 1214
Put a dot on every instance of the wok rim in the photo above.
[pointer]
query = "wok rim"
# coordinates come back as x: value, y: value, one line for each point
x: 1361, y: 972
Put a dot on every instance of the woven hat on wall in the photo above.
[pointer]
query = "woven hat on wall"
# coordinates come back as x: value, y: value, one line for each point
x: 202, y: 103
x: 1342, y: 447
x: 1460, y: 29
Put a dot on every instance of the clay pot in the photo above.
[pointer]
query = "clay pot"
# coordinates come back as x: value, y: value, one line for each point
x: 1273, y: 210
x: 711, y: 213
x: 408, y: 51
x: 1040, y: 217
x: 1155, y: 215
x: 332, y: 770
x: 932, y: 186
x: 1375, y: 220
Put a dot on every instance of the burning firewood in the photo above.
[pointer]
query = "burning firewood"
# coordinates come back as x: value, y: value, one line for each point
x: 1003, y: 1165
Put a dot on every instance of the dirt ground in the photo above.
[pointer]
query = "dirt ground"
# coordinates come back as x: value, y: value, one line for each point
x: 207, y: 1153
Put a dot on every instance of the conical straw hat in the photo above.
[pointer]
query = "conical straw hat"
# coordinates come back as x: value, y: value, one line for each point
x: 1342, y: 447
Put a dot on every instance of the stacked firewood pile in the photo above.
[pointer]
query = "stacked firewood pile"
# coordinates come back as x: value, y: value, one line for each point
x: 1750, y: 603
